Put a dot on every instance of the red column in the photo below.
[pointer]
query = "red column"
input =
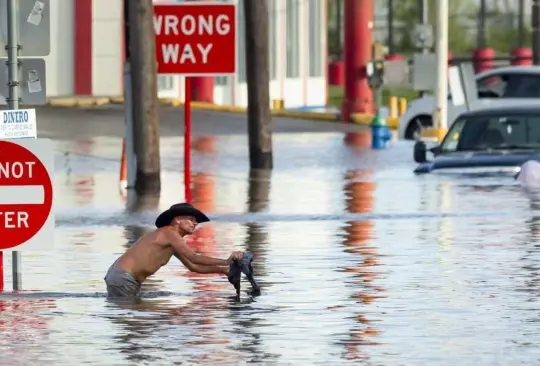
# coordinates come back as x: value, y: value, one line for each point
x: 82, y: 47
x: 335, y: 73
x: 483, y: 59
x: 358, y: 42
x: 521, y: 56
x: 393, y: 57
x: 202, y: 89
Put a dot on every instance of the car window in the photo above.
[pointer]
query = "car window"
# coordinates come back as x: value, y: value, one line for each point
x: 493, y: 86
x: 509, y: 85
x: 480, y: 133
x: 452, y: 137
x: 523, y: 86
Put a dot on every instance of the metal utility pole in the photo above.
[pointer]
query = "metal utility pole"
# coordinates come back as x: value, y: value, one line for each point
x: 144, y: 91
x: 128, y: 102
x: 481, y: 30
x: 13, y: 100
x: 390, y: 21
x: 521, y: 23
x: 423, y: 6
x: 536, y: 31
x: 441, y: 50
x: 259, y: 117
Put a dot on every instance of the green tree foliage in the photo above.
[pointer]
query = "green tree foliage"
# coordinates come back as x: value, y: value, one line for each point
x: 501, y: 28
x: 461, y: 38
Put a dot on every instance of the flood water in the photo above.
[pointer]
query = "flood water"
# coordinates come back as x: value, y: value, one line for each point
x: 360, y: 262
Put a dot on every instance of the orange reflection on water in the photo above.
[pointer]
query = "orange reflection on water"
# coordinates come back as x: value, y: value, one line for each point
x: 203, y: 239
x: 359, y: 190
x: 205, y: 144
x: 360, y: 139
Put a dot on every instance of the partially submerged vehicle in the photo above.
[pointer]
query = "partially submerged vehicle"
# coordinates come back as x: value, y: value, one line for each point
x: 495, y: 140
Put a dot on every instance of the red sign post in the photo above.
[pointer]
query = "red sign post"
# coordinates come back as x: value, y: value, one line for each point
x: 194, y: 39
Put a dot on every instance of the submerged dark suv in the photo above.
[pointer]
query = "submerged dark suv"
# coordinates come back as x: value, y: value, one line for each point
x: 495, y: 139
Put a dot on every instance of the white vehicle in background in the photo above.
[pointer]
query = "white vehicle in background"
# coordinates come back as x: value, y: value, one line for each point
x: 498, y: 87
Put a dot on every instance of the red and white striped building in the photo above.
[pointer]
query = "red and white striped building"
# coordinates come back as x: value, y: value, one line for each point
x: 87, y: 53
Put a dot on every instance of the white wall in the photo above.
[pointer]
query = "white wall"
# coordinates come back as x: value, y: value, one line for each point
x: 107, y: 47
x: 59, y: 63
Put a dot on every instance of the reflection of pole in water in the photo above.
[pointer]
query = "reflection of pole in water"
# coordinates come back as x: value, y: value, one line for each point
x: 360, y: 139
x: 359, y: 199
x: 247, y: 323
x: 530, y: 262
x: 140, y: 203
x: 445, y: 226
x: 203, y: 198
x: 203, y: 241
x: 258, y: 201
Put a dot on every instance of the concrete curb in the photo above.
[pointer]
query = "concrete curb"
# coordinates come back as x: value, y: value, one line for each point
x: 88, y: 102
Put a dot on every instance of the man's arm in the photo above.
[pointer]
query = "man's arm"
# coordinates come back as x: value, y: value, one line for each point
x: 183, y: 251
x: 198, y: 268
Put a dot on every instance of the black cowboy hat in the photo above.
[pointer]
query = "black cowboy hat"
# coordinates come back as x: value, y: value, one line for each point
x: 180, y: 209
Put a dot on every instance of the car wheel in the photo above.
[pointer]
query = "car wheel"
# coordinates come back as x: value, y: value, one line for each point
x: 416, y: 125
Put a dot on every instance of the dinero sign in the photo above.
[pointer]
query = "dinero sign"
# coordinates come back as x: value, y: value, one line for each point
x: 195, y: 38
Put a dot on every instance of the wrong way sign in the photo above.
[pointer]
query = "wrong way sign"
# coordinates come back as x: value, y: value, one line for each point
x: 26, y: 194
x: 195, y: 38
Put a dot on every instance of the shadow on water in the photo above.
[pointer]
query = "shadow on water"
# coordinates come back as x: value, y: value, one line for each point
x: 357, y: 240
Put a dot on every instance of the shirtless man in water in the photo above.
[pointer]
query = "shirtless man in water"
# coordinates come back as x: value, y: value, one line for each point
x: 153, y: 250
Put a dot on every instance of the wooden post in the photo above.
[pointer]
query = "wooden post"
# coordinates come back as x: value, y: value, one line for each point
x: 145, y: 104
x: 259, y: 117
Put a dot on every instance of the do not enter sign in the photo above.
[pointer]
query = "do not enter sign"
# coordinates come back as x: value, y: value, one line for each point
x: 26, y: 194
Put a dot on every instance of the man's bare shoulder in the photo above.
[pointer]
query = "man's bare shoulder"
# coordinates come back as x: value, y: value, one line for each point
x: 166, y: 236
x: 161, y: 236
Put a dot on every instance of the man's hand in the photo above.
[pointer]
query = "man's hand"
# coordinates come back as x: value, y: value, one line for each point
x: 235, y: 256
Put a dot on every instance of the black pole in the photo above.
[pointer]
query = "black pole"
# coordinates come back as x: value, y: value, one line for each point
x: 521, y: 23
x: 390, y: 21
x: 126, y: 30
x: 258, y: 111
x: 481, y: 31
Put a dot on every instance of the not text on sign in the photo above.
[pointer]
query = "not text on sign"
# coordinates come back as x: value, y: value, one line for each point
x: 195, y: 38
x: 26, y: 194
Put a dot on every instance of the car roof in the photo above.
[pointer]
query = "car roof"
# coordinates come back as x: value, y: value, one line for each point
x: 497, y: 111
x: 529, y: 69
